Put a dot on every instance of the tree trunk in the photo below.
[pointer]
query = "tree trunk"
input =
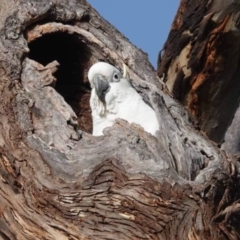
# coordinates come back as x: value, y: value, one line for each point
x: 126, y: 184
x: 200, y: 62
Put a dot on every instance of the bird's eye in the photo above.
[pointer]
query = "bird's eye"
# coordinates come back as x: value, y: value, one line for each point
x: 115, y: 77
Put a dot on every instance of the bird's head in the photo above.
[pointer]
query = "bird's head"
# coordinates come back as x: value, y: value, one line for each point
x: 101, y: 74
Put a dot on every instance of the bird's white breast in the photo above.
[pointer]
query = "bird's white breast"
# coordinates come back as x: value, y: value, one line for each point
x: 123, y: 101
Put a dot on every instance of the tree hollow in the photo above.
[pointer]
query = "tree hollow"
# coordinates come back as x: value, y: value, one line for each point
x: 72, y: 54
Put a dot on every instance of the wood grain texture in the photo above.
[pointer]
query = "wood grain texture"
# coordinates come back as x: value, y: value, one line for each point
x: 126, y: 184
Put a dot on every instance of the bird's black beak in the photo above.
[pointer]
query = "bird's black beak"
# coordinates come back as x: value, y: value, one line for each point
x: 101, y: 86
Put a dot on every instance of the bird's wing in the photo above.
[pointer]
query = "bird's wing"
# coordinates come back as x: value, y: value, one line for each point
x: 144, y: 97
x: 115, y: 96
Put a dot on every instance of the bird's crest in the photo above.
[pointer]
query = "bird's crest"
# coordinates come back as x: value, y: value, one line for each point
x: 125, y: 72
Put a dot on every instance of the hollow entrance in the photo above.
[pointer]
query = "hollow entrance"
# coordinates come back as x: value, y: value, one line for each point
x: 73, y: 56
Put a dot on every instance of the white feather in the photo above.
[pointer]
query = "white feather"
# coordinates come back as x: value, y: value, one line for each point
x: 121, y: 101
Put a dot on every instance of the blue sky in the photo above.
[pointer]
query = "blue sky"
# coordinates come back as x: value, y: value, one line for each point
x: 146, y: 23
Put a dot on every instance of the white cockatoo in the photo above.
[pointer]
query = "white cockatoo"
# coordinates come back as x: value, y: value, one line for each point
x: 113, y: 97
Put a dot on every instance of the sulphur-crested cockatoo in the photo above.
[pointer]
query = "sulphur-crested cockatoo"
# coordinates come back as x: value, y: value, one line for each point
x: 113, y: 97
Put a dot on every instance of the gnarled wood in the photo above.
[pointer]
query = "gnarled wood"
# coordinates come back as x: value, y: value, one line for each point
x: 127, y: 184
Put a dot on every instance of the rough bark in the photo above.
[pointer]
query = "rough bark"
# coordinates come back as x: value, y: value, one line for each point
x: 126, y: 184
x: 232, y: 136
x: 200, y: 62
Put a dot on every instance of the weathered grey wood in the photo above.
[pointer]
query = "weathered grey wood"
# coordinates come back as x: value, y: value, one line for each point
x: 126, y: 184
x: 232, y: 137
